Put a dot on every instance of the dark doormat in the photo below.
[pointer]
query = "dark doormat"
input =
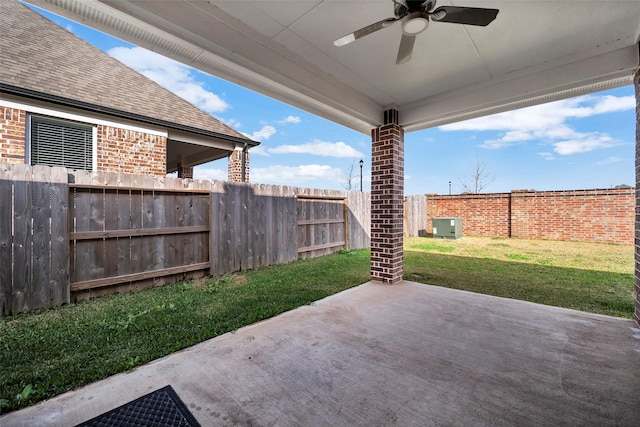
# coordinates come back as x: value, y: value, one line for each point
x: 160, y: 408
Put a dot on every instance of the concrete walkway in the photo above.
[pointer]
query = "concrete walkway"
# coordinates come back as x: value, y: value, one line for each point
x: 401, y: 355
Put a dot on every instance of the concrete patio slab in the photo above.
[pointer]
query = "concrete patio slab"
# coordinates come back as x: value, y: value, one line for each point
x: 407, y: 354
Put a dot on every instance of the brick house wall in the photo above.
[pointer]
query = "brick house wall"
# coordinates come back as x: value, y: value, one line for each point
x: 118, y: 150
x: 606, y: 216
x: 127, y: 151
x: 12, y: 135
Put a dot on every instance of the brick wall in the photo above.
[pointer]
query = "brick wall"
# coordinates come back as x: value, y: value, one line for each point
x: 483, y: 214
x: 126, y: 151
x: 12, y: 135
x: 580, y: 215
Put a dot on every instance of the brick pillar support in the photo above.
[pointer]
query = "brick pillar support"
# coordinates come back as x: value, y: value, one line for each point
x: 636, y: 289
x: 387, y: 200
x: 235, y: 170
x: 185, y: 172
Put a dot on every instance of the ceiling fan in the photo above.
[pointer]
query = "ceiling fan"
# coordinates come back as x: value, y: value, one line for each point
x: 415, y: 16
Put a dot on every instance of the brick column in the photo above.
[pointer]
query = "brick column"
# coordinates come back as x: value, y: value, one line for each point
x: 636, y: 289
x: 185, y: 172
x: 234, y: 169
x: 387, y: 200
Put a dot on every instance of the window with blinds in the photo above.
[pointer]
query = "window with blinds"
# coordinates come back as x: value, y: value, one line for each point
x: 61, y: 143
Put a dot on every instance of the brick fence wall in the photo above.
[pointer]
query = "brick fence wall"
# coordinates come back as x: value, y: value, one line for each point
x: 579, y: 215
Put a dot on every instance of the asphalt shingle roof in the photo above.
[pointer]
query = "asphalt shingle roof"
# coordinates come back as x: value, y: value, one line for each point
x: 38, y: 55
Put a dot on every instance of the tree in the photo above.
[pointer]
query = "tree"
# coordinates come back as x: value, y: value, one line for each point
x: 350, y: 177
x: 477, y: 179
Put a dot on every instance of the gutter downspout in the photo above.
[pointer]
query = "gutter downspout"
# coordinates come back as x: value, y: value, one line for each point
x: 244, y: 161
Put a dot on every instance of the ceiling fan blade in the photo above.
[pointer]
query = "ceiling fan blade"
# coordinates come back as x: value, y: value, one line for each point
x: 465, y: 15
x: 358, y: 34
x: 406, y: 49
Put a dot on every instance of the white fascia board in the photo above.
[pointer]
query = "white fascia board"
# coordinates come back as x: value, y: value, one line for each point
x: 76, y: 115
x: 203, y: 141
x: 602, y: 72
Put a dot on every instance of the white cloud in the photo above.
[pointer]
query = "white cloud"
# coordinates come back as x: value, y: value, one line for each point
x: 172, y: 75
x: 260, y: 150
x: 209, y: 174
x: 268, y: 131
x: 319, y: 148
x: 263, y: 134
x: 546, y: 155
x: 609, y: 160
x: 583, y: 144
x: 296, y: 175
x: 289, y: 120
x: 547, y: 123
x: 611, y: 104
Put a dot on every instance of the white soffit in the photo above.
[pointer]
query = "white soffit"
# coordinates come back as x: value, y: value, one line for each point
x: 534, y: 52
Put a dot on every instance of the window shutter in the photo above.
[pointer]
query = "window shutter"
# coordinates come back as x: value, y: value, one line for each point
x: 59, y: 143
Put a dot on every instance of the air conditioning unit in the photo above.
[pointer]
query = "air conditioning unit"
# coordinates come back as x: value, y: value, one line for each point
x: 447, y: 228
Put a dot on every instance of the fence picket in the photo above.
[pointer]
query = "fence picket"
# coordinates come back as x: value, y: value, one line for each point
x: 22, y: 240
x: 59, y: 270
x: 6, y: 239
x: 40, y: 288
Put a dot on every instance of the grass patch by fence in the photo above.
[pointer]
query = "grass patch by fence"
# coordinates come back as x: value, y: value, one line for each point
x: 56, y: 350
x: 48, y: 352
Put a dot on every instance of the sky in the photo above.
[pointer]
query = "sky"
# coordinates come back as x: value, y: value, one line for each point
x: 586, y: 142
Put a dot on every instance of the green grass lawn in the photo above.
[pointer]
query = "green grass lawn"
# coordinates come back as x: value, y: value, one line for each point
x: 584, y: 276
x: 48, y: 352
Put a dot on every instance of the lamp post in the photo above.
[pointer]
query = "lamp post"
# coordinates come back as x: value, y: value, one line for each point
x: 361, y: 163
x: 449, y: 187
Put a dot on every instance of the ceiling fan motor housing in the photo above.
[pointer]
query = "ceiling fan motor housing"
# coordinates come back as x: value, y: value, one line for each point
x: 415, y: 23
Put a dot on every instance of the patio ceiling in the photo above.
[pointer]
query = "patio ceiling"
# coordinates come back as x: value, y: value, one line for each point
x: 534, y: 52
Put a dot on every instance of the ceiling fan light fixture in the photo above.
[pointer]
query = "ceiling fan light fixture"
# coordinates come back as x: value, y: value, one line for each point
x: 414, y: 24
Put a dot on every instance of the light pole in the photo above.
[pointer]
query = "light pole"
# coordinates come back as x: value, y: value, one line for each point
x: 361, y: 163
x: 449, y: 187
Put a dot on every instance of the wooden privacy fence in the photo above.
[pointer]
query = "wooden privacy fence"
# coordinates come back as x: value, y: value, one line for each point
x: 322, y: 224
x: 129, y: 232
x: 415, y: 216
x: 252, y: 226
x: 33, y: 238
x: 70, y: 235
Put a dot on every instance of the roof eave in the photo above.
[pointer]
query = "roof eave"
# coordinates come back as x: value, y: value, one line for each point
x: 68, y: 102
